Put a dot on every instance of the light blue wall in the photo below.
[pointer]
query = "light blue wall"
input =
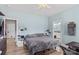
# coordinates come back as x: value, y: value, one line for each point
x: 64, y: 17
x: 34, y: 23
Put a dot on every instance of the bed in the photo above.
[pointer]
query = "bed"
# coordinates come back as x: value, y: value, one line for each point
x: 39, y: 42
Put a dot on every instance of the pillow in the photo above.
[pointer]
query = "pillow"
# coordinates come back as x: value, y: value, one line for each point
x: 36, y: 35
x: 40, y: 34
x: 30, y: 36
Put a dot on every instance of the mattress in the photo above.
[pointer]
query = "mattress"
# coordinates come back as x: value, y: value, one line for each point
x: 36, y: 44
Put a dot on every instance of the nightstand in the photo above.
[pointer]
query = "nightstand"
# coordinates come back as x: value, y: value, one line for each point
x: 20, y: 40
x: 20, y: 43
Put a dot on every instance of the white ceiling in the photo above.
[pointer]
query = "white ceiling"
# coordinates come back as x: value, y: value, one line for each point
x: 34, y: 8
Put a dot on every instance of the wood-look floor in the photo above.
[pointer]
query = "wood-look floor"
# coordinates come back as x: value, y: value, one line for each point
x: 12, y: 49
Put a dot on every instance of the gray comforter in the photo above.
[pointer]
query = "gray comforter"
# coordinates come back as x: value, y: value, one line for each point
x: 36, y: 44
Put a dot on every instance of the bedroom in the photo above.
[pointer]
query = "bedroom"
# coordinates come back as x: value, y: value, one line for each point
x: 34, y: 21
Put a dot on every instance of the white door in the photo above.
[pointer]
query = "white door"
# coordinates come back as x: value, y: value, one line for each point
x: 11, y: 29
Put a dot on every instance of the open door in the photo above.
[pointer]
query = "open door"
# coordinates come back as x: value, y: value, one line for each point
x: 11, y: 28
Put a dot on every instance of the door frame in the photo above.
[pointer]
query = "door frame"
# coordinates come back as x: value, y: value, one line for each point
x: 15, y: 27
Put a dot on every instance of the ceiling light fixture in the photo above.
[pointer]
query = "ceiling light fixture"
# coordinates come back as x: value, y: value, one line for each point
x: 43, y: 6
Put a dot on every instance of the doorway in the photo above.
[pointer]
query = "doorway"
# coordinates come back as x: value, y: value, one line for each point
x: 10, y: 29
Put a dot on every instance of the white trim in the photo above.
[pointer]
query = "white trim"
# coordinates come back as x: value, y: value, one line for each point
x: 4, y: 27
x: 16, y: 30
